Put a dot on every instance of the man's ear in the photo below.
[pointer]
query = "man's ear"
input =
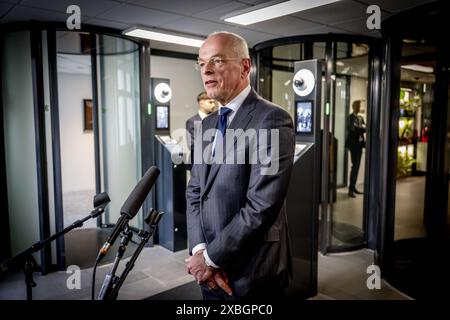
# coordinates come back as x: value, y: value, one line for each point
x: 246, y: 67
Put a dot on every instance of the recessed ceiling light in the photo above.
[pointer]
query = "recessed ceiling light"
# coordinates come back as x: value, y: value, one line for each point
x: 266, y: 11
x: 419, y: 68
x: 154, y: 34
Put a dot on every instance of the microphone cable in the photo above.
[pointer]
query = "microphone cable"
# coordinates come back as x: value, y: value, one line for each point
x: 93, y: 280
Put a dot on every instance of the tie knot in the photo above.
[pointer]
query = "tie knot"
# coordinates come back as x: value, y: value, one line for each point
x: 224, y: 111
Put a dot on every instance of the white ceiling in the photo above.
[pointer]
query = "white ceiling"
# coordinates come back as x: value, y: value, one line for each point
x: 201, y: 17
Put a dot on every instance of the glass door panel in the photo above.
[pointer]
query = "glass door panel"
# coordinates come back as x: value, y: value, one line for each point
x: 348, y: 148
x: 417, y: 82
x: 20, y: 141
x: 119, y: 120
x: 75, y: 122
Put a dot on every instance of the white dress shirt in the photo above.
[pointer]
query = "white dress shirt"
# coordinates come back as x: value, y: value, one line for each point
x: 202, y: 114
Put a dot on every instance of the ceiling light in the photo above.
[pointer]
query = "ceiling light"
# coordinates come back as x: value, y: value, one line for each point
x: 418, y: 68
x: 266, y: 11
x: 153, y: 34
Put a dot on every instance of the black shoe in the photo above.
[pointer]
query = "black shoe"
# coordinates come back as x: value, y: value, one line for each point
x: 358, y: 192
x: 351, y: 194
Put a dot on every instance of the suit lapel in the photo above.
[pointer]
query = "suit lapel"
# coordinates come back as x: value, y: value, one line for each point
x: 240, y: 121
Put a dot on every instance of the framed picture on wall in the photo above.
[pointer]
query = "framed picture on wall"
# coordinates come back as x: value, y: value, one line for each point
x: 88, y: 117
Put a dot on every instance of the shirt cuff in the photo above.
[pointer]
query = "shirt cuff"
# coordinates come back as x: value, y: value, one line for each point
x: 208, y: 261
x: 200, y: 246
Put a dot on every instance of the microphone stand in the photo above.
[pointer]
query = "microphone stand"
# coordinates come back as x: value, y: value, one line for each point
x: 152, y: 220
x: 111, y: 278
x: 27, y: 261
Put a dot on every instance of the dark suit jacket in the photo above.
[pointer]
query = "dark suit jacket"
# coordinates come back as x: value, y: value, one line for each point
x: 355, y: 135
x: 190, y: 129
x: 238, y: 212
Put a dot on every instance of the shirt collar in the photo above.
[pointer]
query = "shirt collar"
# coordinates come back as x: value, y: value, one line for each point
x: 202, y: 114
x: 238, y: 100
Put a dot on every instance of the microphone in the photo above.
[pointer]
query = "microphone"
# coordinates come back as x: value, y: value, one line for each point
x: 131, y: 207
x: 101, y: 199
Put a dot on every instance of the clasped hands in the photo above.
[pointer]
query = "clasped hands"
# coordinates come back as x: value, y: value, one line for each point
x: 204, y: 274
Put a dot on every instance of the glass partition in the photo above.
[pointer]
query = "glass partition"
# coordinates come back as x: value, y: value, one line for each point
x: 74, y: 75
x: 351, y: 90
x: 417, y: 86
x: 20, y: 141
x: 119, y: 117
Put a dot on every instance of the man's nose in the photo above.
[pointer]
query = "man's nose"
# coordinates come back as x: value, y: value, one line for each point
x: 208, y: 69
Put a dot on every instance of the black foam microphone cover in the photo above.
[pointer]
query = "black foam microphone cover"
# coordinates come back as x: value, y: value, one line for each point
x: 137, y: 196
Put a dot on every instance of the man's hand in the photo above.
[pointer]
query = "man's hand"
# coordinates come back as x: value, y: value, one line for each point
x: 214, y: 278
x: 207, y: 275
x: 196, y: 265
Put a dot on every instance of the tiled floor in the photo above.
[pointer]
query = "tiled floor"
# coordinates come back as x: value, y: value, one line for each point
x: 409, y: 208
x: 410, y: 191
x: 341, y: 276
x: 344, y: 276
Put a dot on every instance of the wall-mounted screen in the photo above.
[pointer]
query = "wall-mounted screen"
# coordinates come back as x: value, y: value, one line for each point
x: 304, y: 117
x: 162, y: 117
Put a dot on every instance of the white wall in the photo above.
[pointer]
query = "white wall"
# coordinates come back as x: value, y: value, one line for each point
x: 77, y: 146
x: 186, y: 84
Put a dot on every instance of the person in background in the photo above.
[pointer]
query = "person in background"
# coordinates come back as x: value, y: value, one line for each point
x: 355, y: 143
x: 206, y: 106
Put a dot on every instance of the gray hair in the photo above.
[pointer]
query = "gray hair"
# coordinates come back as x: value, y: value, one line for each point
x: 238, y: 43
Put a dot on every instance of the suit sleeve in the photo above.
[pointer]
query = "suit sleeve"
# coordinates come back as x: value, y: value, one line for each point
x: 265, y: 196
x: 195, y: 233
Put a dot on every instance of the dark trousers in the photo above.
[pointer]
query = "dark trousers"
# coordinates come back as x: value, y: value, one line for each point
x: 355, y: 154
x: 277, y: 293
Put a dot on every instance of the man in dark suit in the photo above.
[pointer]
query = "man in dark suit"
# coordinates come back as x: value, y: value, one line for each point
x: 237, y: 228
x: 206, y: 106
x: 355, y: 144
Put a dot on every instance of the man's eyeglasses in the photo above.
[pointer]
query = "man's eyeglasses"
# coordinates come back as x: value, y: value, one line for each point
x: 216, y: 62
